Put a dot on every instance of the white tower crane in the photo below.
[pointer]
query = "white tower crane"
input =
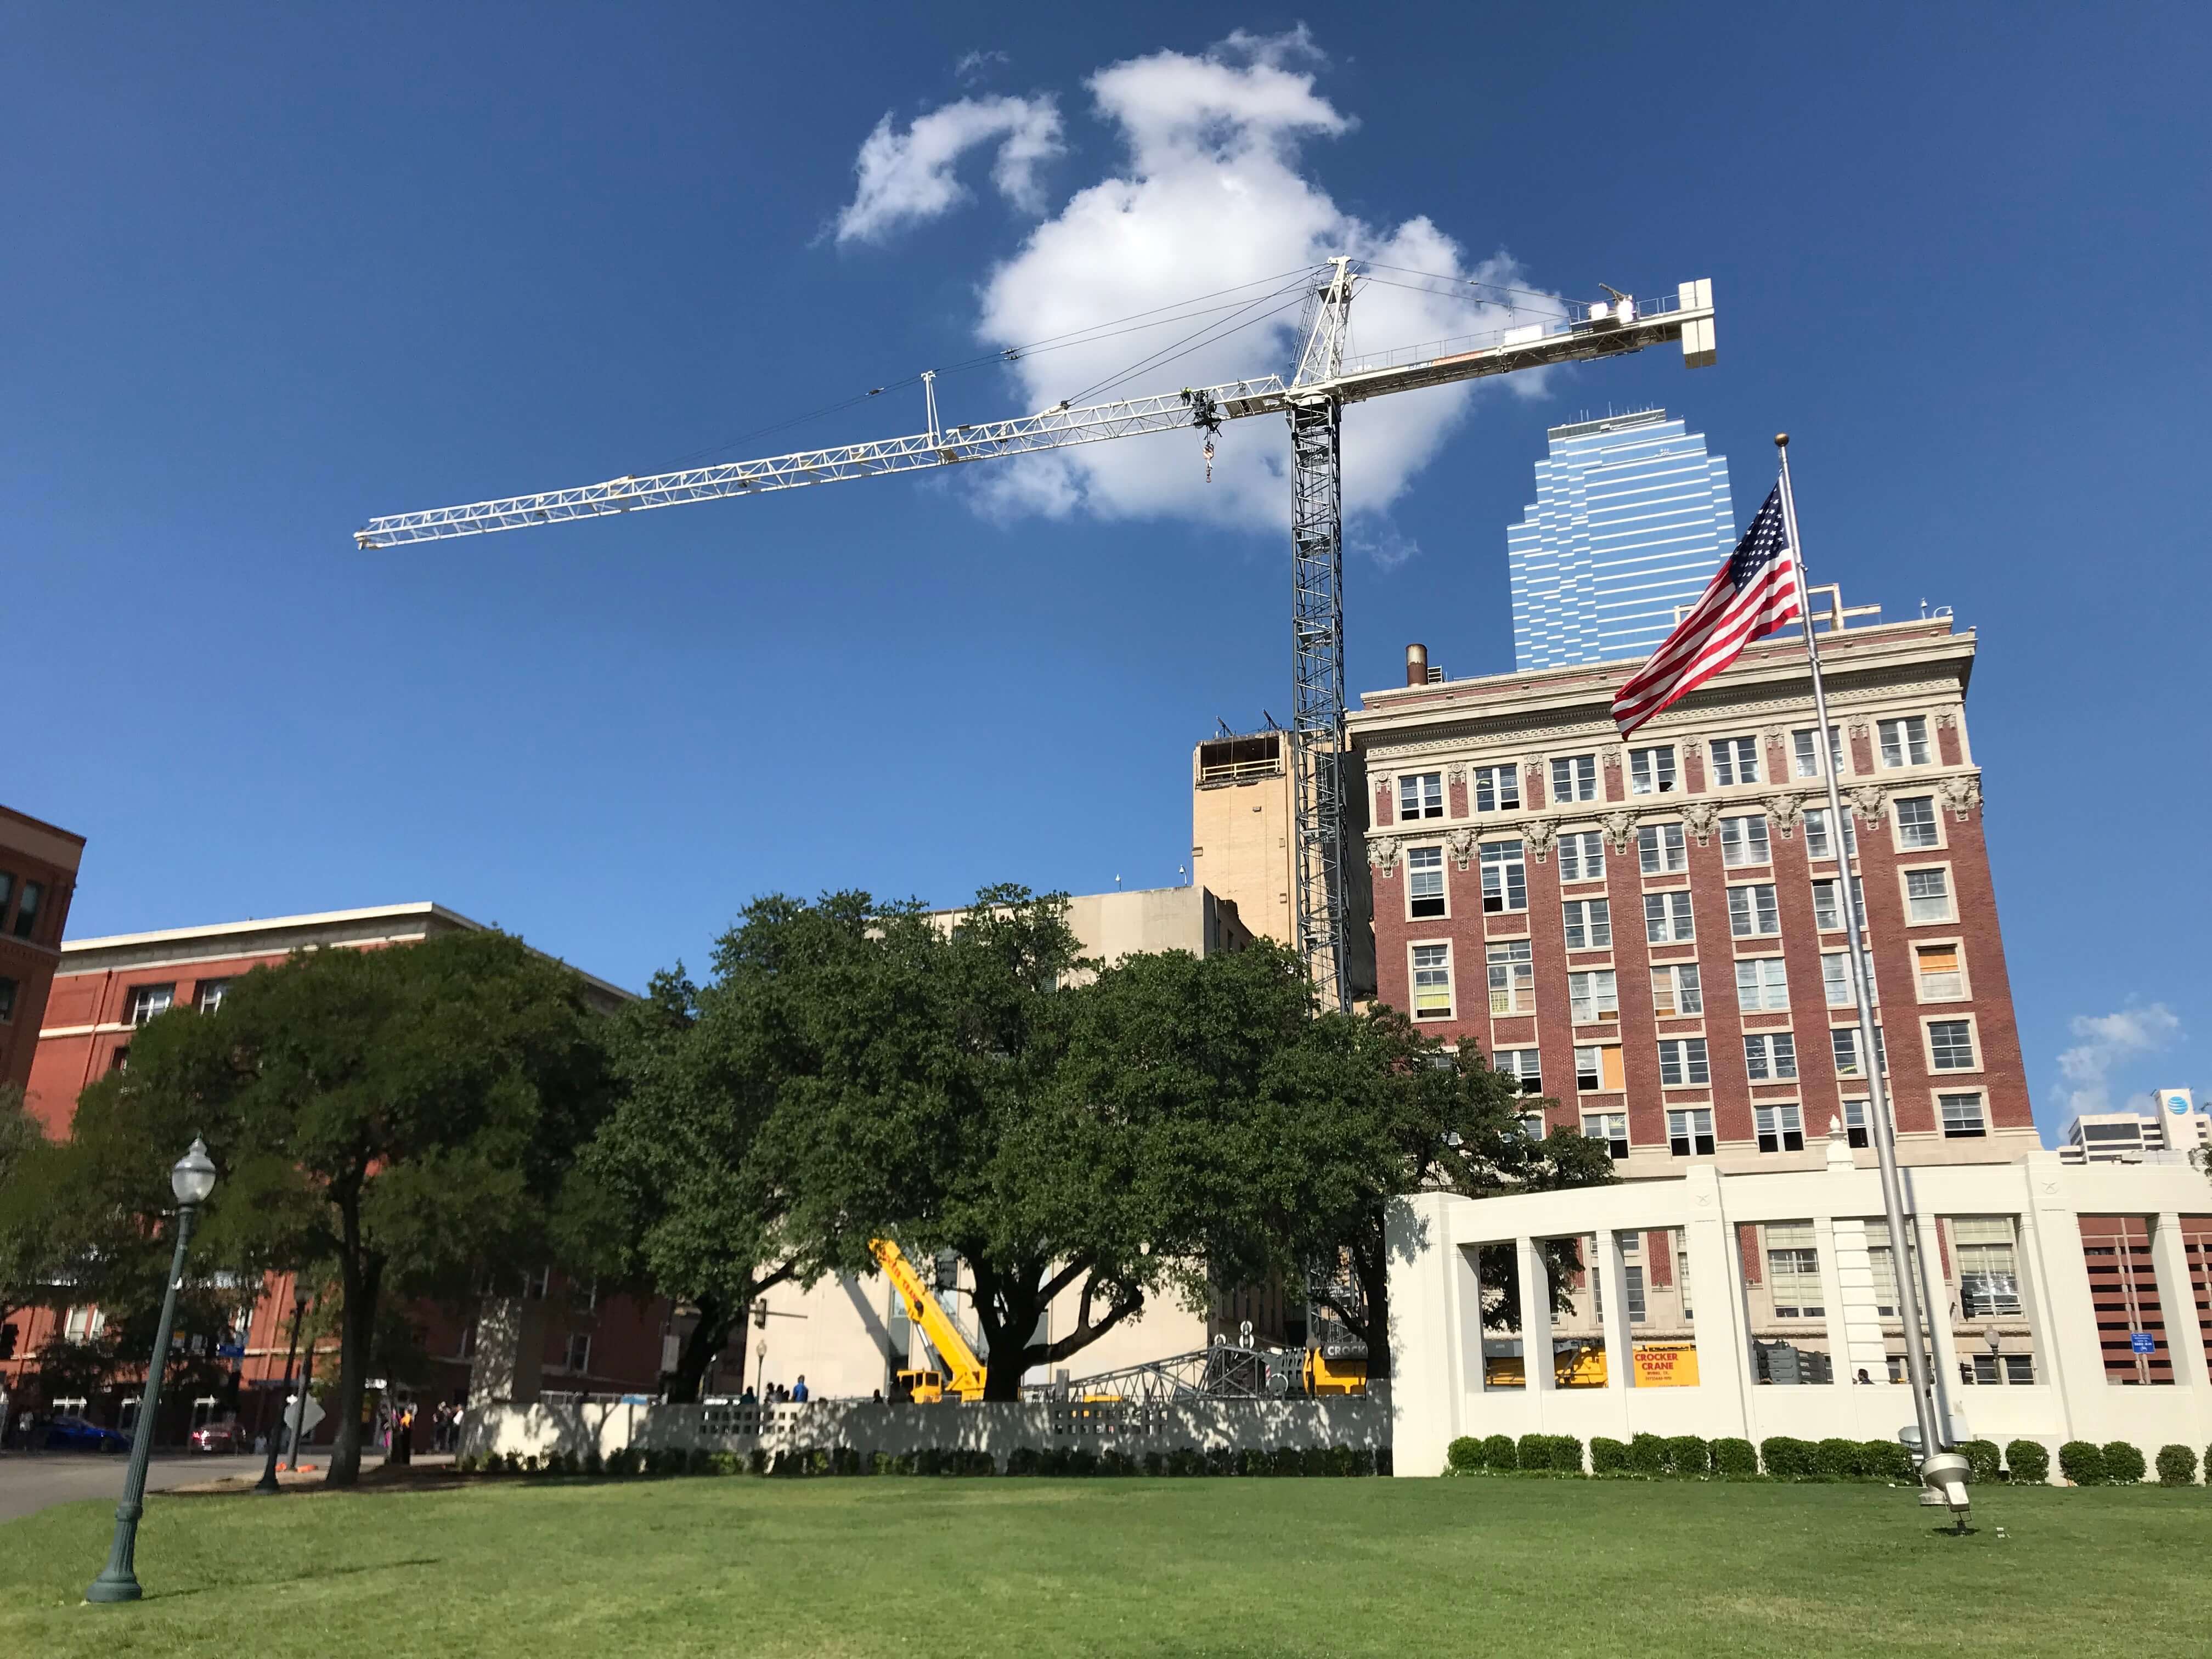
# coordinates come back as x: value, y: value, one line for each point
x: 1314, y: 397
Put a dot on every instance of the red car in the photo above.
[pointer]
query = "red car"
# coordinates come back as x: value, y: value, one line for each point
x: 218, y: 1437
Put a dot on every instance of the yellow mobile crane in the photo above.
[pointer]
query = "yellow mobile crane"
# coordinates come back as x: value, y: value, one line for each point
x: 966, y: 1381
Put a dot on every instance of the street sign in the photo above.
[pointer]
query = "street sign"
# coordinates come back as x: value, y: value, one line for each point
x: 230, y: 1351
x: 2142, y: 1342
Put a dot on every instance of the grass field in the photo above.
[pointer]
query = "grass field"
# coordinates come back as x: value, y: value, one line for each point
x: 1034, y: 1567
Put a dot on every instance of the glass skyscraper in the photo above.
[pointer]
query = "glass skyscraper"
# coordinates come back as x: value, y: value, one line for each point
x: 1631, y: 520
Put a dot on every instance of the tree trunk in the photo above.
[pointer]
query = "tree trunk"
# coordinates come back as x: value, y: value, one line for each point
x: 706, y: 1340
x: 361, y: 1274
x: 1375, y: 1287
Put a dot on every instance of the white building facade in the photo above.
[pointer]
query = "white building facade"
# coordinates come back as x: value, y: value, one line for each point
x: 2072, y: 1306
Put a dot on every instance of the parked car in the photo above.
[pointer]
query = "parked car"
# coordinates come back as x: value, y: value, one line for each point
x: 75, y: 1434
x: 218, y: 1437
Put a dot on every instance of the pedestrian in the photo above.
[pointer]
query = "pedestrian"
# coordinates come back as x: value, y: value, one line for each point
x: 1863, y: 1377
x: 749, y: 1398
x: 798, y: 1394
x: 876, y: 1397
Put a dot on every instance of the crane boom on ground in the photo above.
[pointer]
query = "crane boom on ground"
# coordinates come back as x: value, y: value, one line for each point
x: 1325, y: 381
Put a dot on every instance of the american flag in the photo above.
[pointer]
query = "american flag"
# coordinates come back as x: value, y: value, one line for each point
x: 1753, y: 595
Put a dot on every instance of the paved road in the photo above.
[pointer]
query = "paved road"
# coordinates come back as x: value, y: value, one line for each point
x: 31, y: 1481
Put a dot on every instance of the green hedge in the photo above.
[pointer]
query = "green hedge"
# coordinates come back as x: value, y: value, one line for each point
x: 1498, y: 1453
x: 1981, y: 1457
x: 1608, y: 1456
x: 2083, y: 1462
x: 1647, y: 1455
x: 2177, y: 1466
x: 1738, y: 1460
x: 1690, y: 1455
x: 2027, y: 1462
x: 2123, y: 1463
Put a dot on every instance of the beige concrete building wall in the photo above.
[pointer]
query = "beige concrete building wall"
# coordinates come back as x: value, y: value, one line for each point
x: 1240, y: 827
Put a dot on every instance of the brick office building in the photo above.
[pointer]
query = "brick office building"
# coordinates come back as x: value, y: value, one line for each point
x: 551, y: 1338
x: 1650, y: 930
x: 38, y: 873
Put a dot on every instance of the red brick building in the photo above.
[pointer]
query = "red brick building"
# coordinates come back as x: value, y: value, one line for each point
x: 1650, y: 932
x: 38, y: 873
x: 553, y: 1337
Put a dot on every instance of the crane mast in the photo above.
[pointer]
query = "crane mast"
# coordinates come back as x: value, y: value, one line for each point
x: 1323, y: 383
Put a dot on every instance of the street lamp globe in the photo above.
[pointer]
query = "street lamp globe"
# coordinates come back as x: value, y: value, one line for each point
x: 192, y: 1176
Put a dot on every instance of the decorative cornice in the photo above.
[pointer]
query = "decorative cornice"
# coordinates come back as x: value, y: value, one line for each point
x: 1963, y: 793
x: 1785, y: 810
x: 1868, y: 803
x: 1382, y: 854
x: 1540, y: 834
x: 1702, y: 816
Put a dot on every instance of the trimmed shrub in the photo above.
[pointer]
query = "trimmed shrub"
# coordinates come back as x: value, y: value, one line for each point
x: 1384, y: 1466
x: 725, y: 1463
x: 1464, y: 1455
x: 2176, y: 1467
x: 1608, y: 1456
x: 1286, y: 1460
x: 1981, y: 1457
x: 1340, y: 1460
x: 1736, y: 1460
x: 843, y: 1460
x: 1533, y: 1451
x: 1252, y: 1461
x: 1156, y: 1463
x: 1221, y: 1460
x: 1081, y: 1461
x: 2027, y: 1460
x: 1023, y: 1459
x: 594, y: 1464
x: 1187, y: 1462
x: 2083, y: 1462
x: 1363, y: 1460
x: 464, y: 1464
x: 756, y: 1462
x: 1887, y: 1460
x: 1838, y: 1459
x: 1567, y: 1453
x: 1689, y: 1454
x: 2123, y: 1463
x: 622, y: 1461
x: 1117, y: 1463
x: 1498, y: 1453
x: 1788, y: 1458
x: 1647, y: 1455
x: 1313, y: 1462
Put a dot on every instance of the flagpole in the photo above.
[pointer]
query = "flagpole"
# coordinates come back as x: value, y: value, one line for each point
x: 1879, y: 1125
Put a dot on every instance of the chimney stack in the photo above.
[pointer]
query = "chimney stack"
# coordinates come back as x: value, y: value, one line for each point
x: 1417, y: 664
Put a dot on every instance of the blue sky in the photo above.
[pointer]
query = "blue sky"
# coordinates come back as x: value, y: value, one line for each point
x: 268, y: 271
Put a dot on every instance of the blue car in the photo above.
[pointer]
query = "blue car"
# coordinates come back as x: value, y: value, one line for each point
x: 75, y: 1434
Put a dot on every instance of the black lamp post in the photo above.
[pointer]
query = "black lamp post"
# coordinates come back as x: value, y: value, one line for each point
x: 268, y: 1481
x: 192, y: 1179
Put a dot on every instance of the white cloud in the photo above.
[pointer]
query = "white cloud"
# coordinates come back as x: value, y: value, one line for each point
x: 906, y: 178
x: 1211, y: 193
x: 973, y: 66
x: 2112, y: 1039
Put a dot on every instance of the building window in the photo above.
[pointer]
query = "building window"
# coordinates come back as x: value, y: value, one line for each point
x: 1828, y: 915
x: 1660, y: 849
x: 1432, y: 997
x: 1781, y: 1128
x: 1771, y: 1056
x: 536, y: 1285
x: 148, y: 1000
x: 1743, y: 840
x: 1843, y: 1040
x: 1988, y: 1266
x: 1582, y: 856
x: 1505, y: 876
x: 1667, y: 919
x: 1793, y: 1271
x: 26, y: 909
x: 1903, y: 742
x: 7, y: 892
x: 1589, y: 924
x: 1512, y: 978
x: 1633, y: 1276
x: 1421, y: 795
x: 578, y: 1356
x: 1927, y: 896
x: 1916, y: 825
x: 1592, y: 997
x: 1817, y: 845
x: 1496, y: 788
x: 84, y: 1325
x: 1525, y: 1064
x: 1598, y: 1070
x: 7, y: 999
x: 1855, y: 1123
x: 1736, y: 760
x: 1651, y: 771
x: 120, y: 1060
x: 1574, y: 777
x: 1762, y: 986
x: 1690, y: 1133
x: 1951, y: 1045
x: 1682, y: 1062
x: 1752, y: 913
x: 1425, y: 881
x: 1836, y: 979
x: 1611, y: 1127
x: 1805, y: 749
x: 1940, y: 978
x: 1532, y: 1125
x: 209, y: 996
x: 1674, y: 990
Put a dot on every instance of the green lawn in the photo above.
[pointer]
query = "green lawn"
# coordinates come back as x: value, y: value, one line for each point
x: 962, y: 1568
